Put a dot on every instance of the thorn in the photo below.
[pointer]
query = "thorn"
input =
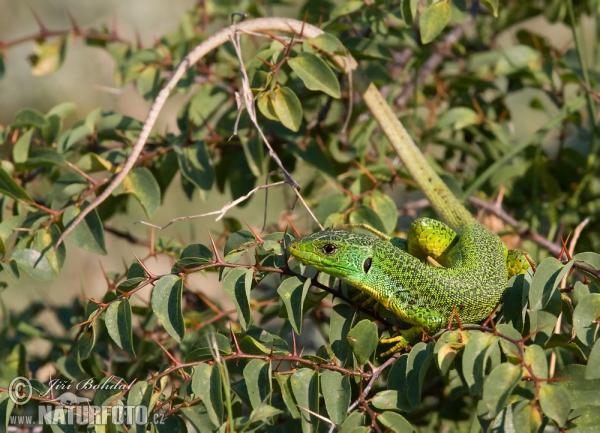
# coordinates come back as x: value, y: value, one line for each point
x: 293, y: 227
x: 490, y: 318
x: 76, y: 28
x: 269, y: 64
x: 113, y: 30
x: 256, y: 236
x: 152, y: 247
x: 565, y: 248
x: 237, y: 346
x: 150, y: 274
x: 367, y: 172
x: 533, y: 266
x: 43, y: 29
x: 177, y: 363
x: 82, y: 324
x: 138, y: 39
x: 531, y: 334
x: 295, y: 353
x: 92, y: 300
x: 217, y: 256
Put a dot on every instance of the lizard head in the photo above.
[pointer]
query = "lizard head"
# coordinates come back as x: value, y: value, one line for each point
x: 343, y: 254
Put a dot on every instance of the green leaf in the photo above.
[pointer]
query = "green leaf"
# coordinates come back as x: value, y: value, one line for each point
x: 582, y: 391
x: 198, y: 417
x: 287, y: 107
x: 315, y: 74
x: 386, y: 209
x: 336, y: 392
x: 363, y: 340
x: 237, y: 284
x: 89, y: 234
x: 192, y: 256
x: 87, y: 339
x: 346, y: 8
x: 499, y: 385
x: 29, y: 118
x: 392, y: 399
x: 21, y: 148
x: 166, y: 304
x: 62, y: 110
x: 305, y: 385
x: 196, y: 165
x: 6, y: 408
x: 395, y: 423
x: 474, y: 359
x: 2, y: 67
x: 72, y: 136
x: 342, y: 316
x: 509, y: 349
x: 48, y: 57
x: 585, y: 319
x: 34, y: 263
x: 397, y: 376
x: 266, y: 107
x: 118, y: 325
x: 286, y: 393
x: 354, y: 421
x: 204, y: 347
x: 544, y: 283
x: 365, y: 215
x: 257, y: 375
x: 148, y: 83
x: 325, y: 42
x: 536, y: 358
x: 593, y: 368
x: 555, y: 403
x: 493, y: 4
x: 433, y: 20
x: 144, y: 188
x: 11, y: 188
x: 44, y: 242
x: 260, y: 342
x: 584, y: 419
x: 516, y: 58
x: 292, y: 292
x: 458, y: 118
x: 206, y: 384
x: 417, y: 364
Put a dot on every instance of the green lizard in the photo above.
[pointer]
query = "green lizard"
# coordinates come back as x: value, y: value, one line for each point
x: 474, y: 261
x: 470, y: 282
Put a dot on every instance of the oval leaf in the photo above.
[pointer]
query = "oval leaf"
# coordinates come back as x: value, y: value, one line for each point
x: 555, y: 403
x: 293, y: 293
x: 288, y: 108
x: 315, y: 74
x: 118, y: 325
x: 363, y: 340
x: 433, y: 20
x: 166, y: 304
x: 336, y: 392
x: 89, y: 233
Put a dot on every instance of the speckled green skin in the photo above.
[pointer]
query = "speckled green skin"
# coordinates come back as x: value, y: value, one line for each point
x: 472, y: 279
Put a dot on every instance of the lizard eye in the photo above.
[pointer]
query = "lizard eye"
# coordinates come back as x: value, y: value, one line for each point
x: 367, y: 265
x: 329, y: 249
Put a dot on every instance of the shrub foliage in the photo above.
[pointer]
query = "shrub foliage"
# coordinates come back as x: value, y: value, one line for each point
x: 300, y: 353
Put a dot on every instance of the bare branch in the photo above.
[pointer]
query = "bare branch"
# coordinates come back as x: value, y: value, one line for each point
x: 221, y: 212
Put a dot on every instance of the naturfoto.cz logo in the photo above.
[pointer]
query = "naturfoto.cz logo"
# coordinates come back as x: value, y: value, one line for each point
x: 70, y: 409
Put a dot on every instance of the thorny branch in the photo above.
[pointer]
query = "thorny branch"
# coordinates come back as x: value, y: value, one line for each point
x: 213, y: 42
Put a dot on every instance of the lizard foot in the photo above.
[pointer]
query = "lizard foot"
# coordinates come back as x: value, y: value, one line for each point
x: 403, y: 340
